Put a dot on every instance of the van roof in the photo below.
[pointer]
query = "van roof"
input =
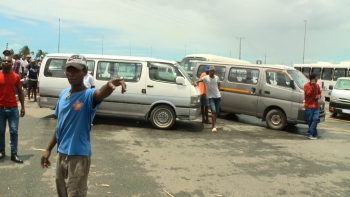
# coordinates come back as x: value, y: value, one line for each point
x: 251, y: 65
x: 347, y: 78
x: 95, y: 56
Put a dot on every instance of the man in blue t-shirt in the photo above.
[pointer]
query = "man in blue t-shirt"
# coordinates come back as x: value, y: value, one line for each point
x: 33, y: 73
x: 75, y: 110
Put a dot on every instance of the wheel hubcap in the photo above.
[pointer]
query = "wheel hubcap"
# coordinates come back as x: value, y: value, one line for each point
x: 163, y: 117
x: 276, y: 119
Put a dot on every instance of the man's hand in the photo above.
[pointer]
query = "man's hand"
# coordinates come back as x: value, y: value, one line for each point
x: 118, y: 82
x: 23, y: 112
x: 195, y: 83
x: 45, y: 163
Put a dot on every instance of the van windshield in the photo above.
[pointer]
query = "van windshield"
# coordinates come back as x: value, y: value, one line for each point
x: 342, y: 84
x: 189, y: 63
x: 182, y: 70
x: 298, y: 77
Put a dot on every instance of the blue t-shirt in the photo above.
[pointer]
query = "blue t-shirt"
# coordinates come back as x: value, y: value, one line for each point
x: 33, y: 72
x: 75, y: 115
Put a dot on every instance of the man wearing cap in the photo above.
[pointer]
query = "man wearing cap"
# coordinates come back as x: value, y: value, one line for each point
x: 204, y: 99
x: 212, y: 84
x: 6, y: 52
x: 75, y: 109
x: 33, y: 73
x: 9, y: 81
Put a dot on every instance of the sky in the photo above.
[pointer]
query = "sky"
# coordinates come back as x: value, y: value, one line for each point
x: 172, y: 29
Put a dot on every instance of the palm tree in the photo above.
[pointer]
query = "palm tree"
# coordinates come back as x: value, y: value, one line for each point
x: 32, y: 52
x: 24, y: 51
x: 40, y: 53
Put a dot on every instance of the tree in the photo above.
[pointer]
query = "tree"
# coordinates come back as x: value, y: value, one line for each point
x: 32, y: 52
x: 24, y: 51
x: 40, y: 53
x: 12, y: 52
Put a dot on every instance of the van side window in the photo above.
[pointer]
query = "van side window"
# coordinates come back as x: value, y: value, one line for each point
x: 55, y: 68
x: 91, y: 67
x: 277, y: 79
x: 243, y: 75
x: 163, y: 72
x: 220, y: 71
x: 306, y: 71
x: 339, y: 72
x: 131, y: 72
x: 327, y: 74
x: 317, y: 71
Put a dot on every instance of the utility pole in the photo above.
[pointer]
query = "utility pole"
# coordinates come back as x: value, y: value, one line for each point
x: 59, y: 33
x: 185, y: 49
x: 130, y: 49
x: 174, y: 55
x: 304, y: 41
x: 102, y: 45
x: 151, y: 51
x: 7, y: 45
x: 240, y: 41
x: 265, y: 59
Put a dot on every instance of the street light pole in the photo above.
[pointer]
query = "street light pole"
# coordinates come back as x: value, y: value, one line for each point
x: 304, y: 40
x: 59, y: 34
x: 240, y: 41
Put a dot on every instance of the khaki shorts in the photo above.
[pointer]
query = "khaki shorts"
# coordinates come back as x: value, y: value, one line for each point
x: 71, y: 175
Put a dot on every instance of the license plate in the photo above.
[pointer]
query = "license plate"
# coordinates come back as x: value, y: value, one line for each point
x: 42, y: 99
x: 346, y: 111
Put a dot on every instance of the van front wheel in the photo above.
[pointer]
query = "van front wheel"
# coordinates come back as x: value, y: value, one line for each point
x: 163, y: 117
x: 276, y: 119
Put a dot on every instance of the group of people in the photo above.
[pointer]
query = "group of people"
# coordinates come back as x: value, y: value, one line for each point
x: 209, y: 87
x: 28, y: 72
x: 75, y: 104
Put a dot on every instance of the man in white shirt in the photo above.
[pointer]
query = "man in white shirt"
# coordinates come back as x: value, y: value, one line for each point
x: 212, y: 84
x: 89, y: 81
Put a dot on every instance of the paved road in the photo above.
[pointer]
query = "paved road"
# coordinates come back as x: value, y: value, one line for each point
x: 243, y: 159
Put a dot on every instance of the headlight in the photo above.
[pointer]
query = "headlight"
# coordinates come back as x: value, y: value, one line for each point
x: 195, y: 100
x: 333, y: 98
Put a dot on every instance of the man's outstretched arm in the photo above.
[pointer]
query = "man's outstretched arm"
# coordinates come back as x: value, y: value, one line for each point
x: 108, y: 88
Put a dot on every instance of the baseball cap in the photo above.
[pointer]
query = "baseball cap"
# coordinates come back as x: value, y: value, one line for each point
x: 207, y: 68
x: 77, y: 61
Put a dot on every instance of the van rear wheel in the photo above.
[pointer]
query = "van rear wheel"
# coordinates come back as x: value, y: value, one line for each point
x: 163, y: 117
x: 276, y: 119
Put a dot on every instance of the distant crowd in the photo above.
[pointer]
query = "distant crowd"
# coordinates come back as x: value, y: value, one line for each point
x: 28, y: 70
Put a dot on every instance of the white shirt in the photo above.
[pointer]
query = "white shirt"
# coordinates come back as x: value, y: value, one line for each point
x: 212, y: 86
x: 24, y: 65
x: 89, y: 81
x: 20, y: 68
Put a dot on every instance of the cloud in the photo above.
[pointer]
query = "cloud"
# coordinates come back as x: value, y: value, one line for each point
x: 272, y: 27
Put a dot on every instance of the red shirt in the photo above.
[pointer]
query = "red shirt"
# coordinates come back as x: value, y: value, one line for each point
x: 201, y: 86
x: 8, y: 83
x: 310, y: 92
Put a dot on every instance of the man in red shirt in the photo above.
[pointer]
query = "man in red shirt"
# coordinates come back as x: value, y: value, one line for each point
x: 9, y: 80
x: 312, y: 93
x: 204, y: 99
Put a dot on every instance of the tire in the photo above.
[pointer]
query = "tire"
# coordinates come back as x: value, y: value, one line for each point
x: 333, y: 115
x: 163, y: 117
x: 276, y: 119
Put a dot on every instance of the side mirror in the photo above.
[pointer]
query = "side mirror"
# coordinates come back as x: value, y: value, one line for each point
x: 292, y: 84
x: 331, y: 87
x: 180, y: 81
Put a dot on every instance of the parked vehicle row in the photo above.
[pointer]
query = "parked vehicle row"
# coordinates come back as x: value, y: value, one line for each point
x: 340, y: 97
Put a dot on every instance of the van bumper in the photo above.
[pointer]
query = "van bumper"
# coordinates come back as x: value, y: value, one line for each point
x: 302, y: 117
x: 47, y: 102
x: 337, y: 107
x: 188, y: 113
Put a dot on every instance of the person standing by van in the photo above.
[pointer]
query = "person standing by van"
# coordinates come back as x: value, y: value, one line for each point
x: 212, y: 84
x: 204, y: 99
x: 89, y: 80
x: 9, y: 81
x: 76, y: 104
x: 33, y: 70
x: 312, y: 93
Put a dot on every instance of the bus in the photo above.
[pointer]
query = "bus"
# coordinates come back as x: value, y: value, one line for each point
x: 190, y: 61
x: 327, y: 73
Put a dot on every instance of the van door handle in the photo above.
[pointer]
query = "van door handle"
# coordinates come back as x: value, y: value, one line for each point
x: 260, y: 92
x: 267, y: 92
x: 149, y: 86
